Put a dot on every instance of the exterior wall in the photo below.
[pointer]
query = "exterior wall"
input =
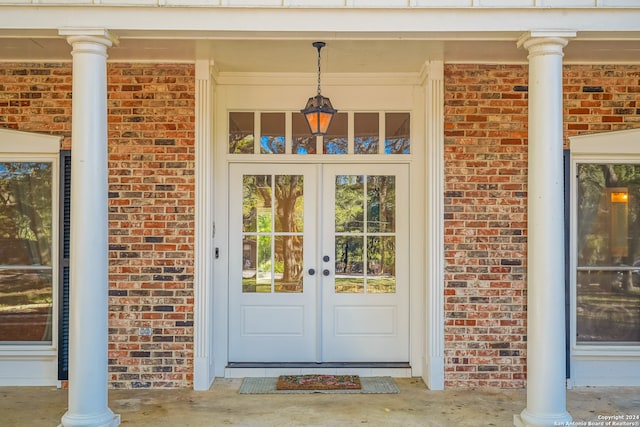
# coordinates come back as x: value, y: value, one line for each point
x: 151, y: 164
x: 151, y: 205
x: 600, y: 98
x: 151, y: 224
x: 485, y: 225
x: 486, y: 205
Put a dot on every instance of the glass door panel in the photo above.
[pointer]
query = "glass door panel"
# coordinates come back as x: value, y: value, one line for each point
x: 365, y: 284
x: 365, y: 233
x: 272, y: 299
x: 272, y: 211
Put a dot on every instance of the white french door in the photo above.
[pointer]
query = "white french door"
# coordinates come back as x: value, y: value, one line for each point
x: 318, y: 268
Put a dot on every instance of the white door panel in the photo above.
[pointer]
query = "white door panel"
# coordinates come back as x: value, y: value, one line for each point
x: 365, y: 236
x: 272, y: 301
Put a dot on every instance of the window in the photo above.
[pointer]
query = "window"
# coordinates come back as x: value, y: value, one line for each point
x: 28, y: 258
x: 604, y: 252
x: 608, y: 253
x: 357, y: 133
x: 26, y: 251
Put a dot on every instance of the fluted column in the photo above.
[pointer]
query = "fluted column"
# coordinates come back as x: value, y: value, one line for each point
x: 546, y: 352
x: 434, y: 195
x: 88, y: 295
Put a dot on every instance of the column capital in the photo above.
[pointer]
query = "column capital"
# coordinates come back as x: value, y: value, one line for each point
x: 100, y: 36
x: 545, y: 42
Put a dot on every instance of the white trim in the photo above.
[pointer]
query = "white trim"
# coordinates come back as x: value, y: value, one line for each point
x: 274, y: 372
x: 203, y: 364
x: 433, y: 374
x: 29, y: 367
x: 618, y: 143
x: 259, y: 96
x: 218, y: 175
x: 594, y: 364
x: 16, y: 142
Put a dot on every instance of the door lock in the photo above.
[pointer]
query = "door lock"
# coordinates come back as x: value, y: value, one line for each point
x: 326, y: 272
x: 311, y: 272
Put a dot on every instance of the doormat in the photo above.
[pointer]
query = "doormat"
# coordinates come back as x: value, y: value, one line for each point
x: 318, y: 382
x: 369, y: 385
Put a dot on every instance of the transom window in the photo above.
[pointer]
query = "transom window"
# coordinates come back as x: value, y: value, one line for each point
x: 363, y: 133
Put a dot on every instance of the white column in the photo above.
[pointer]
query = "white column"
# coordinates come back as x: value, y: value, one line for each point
x: 434, y: 111
x: 88, y: 295
x: 546, y: 353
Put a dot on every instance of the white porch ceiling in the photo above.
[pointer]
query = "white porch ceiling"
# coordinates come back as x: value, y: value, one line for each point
x: 339, y: 56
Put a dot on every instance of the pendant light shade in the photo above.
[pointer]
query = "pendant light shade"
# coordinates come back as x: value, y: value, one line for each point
x: 318, y: 112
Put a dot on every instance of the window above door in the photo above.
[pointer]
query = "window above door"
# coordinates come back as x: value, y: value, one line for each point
x: 359, y: 133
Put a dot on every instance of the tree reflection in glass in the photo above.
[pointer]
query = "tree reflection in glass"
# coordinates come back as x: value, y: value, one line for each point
x: 26, y: 282
x: 608, y: 253
x: 365, y: 234
x: 273, y: 207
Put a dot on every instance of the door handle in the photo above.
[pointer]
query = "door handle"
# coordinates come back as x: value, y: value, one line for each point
x: 326, y: 258
x: 326, y: 272
x: 312, y: 272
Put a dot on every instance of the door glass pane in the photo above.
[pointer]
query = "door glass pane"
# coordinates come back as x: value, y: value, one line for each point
x: 289, y: 203
x: 241, y: 133
x: 349, y: 274
x: 264, y: 272
x: 381, y: 264
x: 303, y: 142
x: 608, y: 254
x: 349, y: 210
x: 256, y: 203
x: 288, y: 264
x: 249, y: 263
x: 366, y: 130
x: 397, y: 133
x: 335, y: 141
x: 273, y: 211
x: 26, y: 282
x: 272, y: 133
x: 381, y: 203
x: 373, y: 247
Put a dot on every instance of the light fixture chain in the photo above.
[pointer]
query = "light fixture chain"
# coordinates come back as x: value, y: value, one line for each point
x: 319, y: 47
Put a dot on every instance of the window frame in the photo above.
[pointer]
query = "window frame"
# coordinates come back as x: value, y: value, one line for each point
x: 16, y: 146
x: 381, y: 155
x: 598, y: 364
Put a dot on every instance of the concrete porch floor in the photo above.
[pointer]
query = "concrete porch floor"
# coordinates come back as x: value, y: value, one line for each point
x: 415, y: 405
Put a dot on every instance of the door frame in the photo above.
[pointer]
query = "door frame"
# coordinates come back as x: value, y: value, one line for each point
x: 310, y: 339
x: 423, y: 95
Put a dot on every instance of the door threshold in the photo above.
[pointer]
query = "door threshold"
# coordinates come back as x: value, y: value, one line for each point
x: 385, y: 369
x: 318, y: 365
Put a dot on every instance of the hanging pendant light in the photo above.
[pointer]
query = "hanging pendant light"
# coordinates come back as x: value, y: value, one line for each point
x: 318, y: 112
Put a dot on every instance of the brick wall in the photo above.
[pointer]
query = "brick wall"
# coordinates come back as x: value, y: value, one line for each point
x: 151, y: 205
x: 151, y: 190
x: 151, y: 221
x: 37, y: 98
x: 485, y: 204
x: 600, y: 98
x: 485, y: 225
